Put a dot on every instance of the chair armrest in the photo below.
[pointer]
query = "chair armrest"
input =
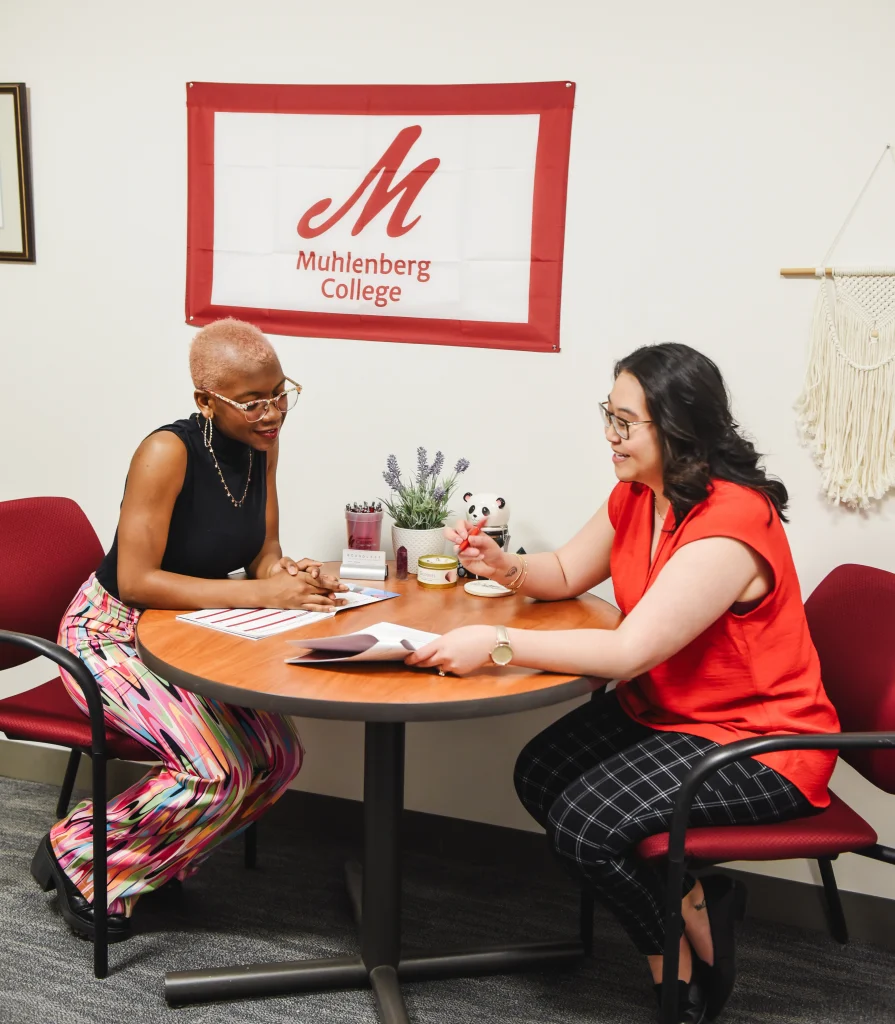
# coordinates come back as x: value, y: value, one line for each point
x: 77, y: 670
x: 695, y: 777
x: 730, y: 752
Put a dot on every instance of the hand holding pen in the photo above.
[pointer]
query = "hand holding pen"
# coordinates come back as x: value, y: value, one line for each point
x: 474, y: 532
x: 479, y: 553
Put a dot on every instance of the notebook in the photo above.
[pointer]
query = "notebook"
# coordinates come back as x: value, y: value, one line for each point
x: 383, y: 641
x: 258, y: 623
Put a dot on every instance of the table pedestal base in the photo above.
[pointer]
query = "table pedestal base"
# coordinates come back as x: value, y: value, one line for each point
x: 377, y: 909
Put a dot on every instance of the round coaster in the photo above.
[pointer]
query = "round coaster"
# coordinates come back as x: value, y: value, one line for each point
x: 486, y: 588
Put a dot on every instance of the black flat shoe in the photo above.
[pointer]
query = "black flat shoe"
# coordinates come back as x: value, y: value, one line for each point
x: 78, y: 913
x: 725, y: 901
x: 691, y: 1002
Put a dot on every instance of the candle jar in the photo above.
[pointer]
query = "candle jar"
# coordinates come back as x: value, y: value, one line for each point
x: 437, y: 572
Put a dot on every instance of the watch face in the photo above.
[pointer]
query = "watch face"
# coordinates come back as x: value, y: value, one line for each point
x: 502, y: 654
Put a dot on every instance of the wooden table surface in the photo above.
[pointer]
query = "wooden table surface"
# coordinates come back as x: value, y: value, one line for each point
x: 253, y: 673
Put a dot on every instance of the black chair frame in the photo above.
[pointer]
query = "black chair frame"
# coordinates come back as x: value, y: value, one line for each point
x: 98, y: 760
x: 87, y: 684
x: 707, y: 766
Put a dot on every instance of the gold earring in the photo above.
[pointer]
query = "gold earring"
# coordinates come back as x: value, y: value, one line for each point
x: 208, y: 432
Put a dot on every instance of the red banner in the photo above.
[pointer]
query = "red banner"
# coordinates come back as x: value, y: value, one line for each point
x: 425, y: 214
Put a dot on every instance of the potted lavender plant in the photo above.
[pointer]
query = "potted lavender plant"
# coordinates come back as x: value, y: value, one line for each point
x: 419, y: 506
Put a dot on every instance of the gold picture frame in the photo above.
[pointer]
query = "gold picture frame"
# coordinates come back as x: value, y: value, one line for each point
x: 16, y: 201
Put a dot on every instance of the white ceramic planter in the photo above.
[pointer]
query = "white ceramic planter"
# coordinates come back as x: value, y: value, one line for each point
x: 418, y: 543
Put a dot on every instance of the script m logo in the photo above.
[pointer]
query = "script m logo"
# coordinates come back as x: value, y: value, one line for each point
x: 385, y: 168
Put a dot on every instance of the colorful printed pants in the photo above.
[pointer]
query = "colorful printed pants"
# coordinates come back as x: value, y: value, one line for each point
x: 221, y: 766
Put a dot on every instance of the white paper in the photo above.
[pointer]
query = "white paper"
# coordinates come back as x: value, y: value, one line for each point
x: 383, y: 641
x: 258, y: 623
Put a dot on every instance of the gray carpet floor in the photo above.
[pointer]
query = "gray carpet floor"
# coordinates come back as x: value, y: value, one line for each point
x: 294, y: 905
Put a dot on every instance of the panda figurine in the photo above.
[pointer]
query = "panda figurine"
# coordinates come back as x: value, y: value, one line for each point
x: 490, y: 506
x: 483, y: 505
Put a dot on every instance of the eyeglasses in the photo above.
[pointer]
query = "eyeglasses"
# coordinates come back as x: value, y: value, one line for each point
x: 620, y: 426
x: 257, y: 410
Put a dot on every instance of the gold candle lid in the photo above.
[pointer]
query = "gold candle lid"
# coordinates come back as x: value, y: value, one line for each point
x: 438, y: 562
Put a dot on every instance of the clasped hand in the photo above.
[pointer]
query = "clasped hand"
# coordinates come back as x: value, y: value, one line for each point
x: 301, y: 585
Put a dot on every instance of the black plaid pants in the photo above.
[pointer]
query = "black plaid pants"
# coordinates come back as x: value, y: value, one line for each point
x: 599, y: 783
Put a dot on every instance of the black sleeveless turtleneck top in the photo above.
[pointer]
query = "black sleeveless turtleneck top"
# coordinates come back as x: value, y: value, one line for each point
x: 208, y: 537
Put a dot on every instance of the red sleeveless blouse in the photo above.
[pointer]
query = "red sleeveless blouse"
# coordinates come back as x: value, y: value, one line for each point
x: 749, y: 674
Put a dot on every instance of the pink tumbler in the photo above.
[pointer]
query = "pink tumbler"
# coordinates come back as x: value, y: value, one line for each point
x: 364, y: 529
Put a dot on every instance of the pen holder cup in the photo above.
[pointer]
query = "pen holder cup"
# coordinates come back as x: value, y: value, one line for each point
x: 364, y: 530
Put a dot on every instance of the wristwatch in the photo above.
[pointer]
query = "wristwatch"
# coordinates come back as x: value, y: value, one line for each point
x: 502, y: 652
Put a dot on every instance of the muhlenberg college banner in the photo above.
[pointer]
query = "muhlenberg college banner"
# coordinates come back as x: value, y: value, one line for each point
x: 430, y: 214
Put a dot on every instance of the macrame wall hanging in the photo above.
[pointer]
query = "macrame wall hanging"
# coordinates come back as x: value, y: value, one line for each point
x: 846, y: 411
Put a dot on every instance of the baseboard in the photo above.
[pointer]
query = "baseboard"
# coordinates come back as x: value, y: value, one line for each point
x: 784, y: 901
x: 777, y: 900
x: 37, y: 762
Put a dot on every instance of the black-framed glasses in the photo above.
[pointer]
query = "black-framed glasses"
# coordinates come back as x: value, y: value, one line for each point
x: 257, y: 410
x: 621, y: 426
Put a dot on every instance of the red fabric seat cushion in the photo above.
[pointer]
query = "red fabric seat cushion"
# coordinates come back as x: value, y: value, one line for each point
x: 47, y: 714
x: 836, y: 829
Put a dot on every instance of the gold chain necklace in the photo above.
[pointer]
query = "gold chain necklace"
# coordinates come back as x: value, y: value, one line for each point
x: 207, y: 434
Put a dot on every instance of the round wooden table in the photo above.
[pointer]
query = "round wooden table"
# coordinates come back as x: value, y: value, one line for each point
x: 385, y: 696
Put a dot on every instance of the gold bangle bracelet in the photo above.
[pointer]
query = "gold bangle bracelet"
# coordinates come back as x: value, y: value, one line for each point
x: 517, y: 583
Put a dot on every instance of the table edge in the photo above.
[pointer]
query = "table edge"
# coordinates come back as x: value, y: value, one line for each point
x: 354, y: 711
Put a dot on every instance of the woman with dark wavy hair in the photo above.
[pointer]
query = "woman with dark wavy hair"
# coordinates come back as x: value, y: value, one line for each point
x: 712, y: 646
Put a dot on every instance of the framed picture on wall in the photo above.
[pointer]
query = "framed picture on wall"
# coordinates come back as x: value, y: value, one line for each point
x: 16, y: 205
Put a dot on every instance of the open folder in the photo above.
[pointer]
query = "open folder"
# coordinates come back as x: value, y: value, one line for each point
x: 258, y: 623
x: 382, y: 642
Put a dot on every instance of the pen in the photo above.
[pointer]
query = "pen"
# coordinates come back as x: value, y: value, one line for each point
x: 476, y: 529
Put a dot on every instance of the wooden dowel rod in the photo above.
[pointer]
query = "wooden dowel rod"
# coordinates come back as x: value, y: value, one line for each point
x: 803, y: 271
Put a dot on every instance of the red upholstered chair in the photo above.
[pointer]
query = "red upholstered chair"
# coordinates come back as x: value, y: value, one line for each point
x: 851, y: 616
x: 47, y: 550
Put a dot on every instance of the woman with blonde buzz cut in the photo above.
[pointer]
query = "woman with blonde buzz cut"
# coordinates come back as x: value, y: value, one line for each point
x: 200, y: 501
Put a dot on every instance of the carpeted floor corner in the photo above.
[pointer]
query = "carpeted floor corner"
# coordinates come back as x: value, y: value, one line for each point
x: 294, y: 905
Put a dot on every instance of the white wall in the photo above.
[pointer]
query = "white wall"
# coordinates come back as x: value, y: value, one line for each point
x: 711, y: 146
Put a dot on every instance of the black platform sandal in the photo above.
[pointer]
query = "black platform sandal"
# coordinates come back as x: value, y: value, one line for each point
x: 725, y: 900
x: 78, y: 913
